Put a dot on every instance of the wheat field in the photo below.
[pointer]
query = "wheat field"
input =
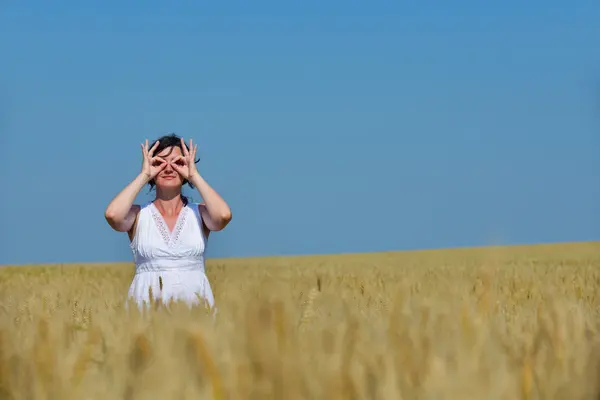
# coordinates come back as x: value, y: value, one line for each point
x: 484, y: 323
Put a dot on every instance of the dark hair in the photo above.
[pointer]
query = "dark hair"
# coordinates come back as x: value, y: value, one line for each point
x: 171, y: 140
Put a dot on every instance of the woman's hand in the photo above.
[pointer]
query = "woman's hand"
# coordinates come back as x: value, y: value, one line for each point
x: 185, y: 164
x: 151, y: 165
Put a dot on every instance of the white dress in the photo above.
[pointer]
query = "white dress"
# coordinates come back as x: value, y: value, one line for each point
x: 171, y: 263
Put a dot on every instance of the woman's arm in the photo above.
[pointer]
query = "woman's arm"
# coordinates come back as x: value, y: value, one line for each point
x: 215, y: 212
x: 121, y: 212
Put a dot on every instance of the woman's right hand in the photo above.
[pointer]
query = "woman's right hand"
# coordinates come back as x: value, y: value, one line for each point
x: 151, y: 165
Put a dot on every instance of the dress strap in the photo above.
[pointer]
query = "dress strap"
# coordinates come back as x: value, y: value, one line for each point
x: 196, y: 208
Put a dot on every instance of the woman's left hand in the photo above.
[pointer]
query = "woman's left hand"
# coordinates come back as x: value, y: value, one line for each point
x: 185, y: 164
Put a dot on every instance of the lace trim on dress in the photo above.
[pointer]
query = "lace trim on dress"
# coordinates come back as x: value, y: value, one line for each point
x: 170, y: 238
x: 179, y: 225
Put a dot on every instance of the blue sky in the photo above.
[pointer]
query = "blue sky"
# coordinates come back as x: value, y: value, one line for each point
x: 329, y: 126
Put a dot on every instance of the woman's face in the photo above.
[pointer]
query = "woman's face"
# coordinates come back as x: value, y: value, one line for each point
x: 169, y: 177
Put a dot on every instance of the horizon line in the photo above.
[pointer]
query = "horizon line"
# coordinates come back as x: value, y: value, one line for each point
x: 296, y: 255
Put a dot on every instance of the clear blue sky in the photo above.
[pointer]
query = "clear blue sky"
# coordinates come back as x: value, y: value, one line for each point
x: 329, y: 126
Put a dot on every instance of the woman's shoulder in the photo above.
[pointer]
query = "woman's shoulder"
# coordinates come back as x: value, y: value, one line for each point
x: 197, y: 208
x: 140, y: 208
x: 194, y: 206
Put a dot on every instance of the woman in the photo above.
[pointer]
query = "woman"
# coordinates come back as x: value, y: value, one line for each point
x: 168, y: 235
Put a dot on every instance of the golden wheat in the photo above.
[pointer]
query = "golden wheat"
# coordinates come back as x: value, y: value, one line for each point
x: 488, y: 323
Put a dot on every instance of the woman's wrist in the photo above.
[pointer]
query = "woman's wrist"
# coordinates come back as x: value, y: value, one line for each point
x: 193, y: 177
x: 143, y: 178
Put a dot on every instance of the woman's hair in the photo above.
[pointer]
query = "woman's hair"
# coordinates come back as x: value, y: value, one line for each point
x: 171, y: 140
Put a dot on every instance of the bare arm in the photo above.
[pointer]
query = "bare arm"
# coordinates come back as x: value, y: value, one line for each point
x: 215, y: 212
x: 121, y: 213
